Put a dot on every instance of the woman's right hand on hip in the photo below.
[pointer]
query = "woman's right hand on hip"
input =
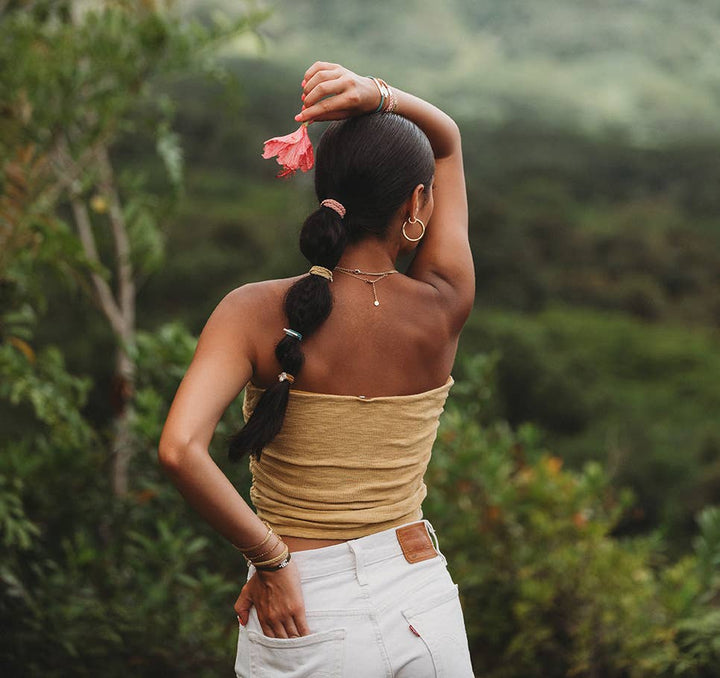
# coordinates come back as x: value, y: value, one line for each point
x: 278, y: 600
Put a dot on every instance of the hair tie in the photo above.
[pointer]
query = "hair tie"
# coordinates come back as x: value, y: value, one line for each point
x: 284, y: 376
x: 322, y: 272
x: 334, y: 205
x: 293, y: 333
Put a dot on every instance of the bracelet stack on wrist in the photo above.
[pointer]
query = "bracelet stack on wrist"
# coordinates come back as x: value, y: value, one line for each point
x: 388, y: 97
x: 254, y: 555
x: 275, y: 563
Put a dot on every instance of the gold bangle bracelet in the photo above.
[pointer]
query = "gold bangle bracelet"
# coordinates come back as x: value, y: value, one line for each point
x: 266, y: 552
x: 275, y: 560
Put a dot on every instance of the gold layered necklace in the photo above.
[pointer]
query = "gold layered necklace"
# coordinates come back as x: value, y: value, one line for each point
x: 367, y: 277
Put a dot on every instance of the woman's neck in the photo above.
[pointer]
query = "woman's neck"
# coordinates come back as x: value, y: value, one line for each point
x: 369, y: 255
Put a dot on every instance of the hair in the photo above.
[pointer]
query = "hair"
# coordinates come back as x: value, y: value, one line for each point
x: 371, y: 164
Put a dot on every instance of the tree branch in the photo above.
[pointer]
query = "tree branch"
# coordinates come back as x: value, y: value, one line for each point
x: 125, y: 277
x: 104, y: 293
x: 68, y: 171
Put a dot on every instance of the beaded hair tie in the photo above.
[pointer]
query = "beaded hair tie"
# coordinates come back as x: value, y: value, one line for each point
x: 334, y: 205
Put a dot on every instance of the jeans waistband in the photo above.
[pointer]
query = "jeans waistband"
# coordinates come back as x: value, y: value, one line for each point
x: 371, y: 549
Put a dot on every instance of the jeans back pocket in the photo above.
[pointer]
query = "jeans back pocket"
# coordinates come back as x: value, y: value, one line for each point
x: 318, y: 655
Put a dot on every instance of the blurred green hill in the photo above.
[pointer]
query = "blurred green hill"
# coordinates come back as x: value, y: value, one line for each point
x: 641, y: 69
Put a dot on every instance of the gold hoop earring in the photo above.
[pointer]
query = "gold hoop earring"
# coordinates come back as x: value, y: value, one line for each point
x: 413, y: 220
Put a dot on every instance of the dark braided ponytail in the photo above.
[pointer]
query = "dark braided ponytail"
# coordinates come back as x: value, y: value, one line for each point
x: 307, y: 304
x: 371, y: 164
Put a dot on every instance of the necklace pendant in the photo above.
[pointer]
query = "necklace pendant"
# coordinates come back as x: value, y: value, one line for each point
x: 376, y: 303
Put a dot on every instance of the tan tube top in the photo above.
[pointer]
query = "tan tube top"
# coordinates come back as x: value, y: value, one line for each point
x: 345, y: 466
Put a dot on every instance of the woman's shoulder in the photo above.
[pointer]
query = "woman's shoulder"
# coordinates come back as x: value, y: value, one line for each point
x: 257, y: 295
x: 251, y: 308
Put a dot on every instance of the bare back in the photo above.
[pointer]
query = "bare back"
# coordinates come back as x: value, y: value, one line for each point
x: 405, y: 345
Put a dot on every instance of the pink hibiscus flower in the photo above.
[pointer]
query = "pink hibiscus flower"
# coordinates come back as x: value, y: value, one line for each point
x: 294, y: 151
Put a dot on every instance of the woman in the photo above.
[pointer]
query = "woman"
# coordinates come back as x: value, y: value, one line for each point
x: 347, y: 369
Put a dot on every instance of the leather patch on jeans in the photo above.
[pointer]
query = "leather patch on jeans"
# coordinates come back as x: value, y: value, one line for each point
x: 415, y: 543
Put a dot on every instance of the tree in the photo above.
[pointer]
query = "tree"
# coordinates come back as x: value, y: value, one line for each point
x: 75, y: 82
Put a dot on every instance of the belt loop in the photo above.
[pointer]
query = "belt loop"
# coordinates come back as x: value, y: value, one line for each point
x: 433, y: 536
x: 359, y: 561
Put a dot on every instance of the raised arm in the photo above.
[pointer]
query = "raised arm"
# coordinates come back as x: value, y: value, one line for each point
x: 443, y: 260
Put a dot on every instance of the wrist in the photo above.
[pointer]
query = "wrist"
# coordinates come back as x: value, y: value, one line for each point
x: 278, y: 564
x: 387, y: 101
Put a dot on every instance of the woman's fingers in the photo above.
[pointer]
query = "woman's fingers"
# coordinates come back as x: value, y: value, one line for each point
x: 326, y: 99
x: 242, y: 605
x: 323, y: 89
x: 286, y: 628
x: 291, y: 628
x: 301, y: 624
x: 317, y: 67
x: 319, y: 115
x: 283, y: 626
x: 270, y: 629
x: 324, y: 76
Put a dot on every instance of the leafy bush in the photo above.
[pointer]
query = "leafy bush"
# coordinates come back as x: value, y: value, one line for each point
x: 547, y: 590
x: 608, y: 388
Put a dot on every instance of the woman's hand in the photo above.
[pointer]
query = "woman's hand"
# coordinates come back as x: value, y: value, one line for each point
x: 278, y: 599
x: 332, y: 92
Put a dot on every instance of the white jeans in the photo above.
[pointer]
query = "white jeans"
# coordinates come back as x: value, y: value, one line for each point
x: 371, y: 613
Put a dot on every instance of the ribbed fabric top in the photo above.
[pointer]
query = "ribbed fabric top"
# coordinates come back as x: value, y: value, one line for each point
x: 344, y: 466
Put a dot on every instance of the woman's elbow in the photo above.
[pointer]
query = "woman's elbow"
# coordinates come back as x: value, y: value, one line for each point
x: 170, y: 453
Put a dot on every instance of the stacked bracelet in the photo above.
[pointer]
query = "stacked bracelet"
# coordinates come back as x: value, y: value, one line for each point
x: 272, y: 564
x: 266, y: 552
x: 392, y: 99
x: 388, y: 96
x: 385, y: 94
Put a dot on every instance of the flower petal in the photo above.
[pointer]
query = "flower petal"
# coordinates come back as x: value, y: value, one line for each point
x: 294, y: 151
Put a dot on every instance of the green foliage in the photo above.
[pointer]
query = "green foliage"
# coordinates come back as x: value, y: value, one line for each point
x: 561, y: 218
x: 103, y: 64
x: 76, y: 82
x: 16, y: 530
x: 162, y: 357
x: 707, y: 547
x: 698, y: 642
x: 610, y: 388
x: 89, y: 585
x: 40, y: 381
x: 547, y: 590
